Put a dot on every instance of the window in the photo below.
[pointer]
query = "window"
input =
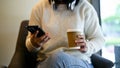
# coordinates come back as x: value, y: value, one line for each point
x: 110, y: 20
x: 109, y: 15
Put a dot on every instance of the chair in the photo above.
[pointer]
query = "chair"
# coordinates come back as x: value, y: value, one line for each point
x: 24, y: 59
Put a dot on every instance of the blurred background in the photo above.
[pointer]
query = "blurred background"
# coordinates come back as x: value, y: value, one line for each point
x: 110, y: 21
x: 12, y: 12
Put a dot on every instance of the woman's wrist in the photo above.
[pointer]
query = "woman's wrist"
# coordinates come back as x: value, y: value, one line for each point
x: 31, y: 47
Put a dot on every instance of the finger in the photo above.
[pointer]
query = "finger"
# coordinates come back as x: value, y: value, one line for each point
x: 83, y: 50
x: 44, y: 41
x: 41, y: 41
x: 79, y: 40
x: 81, y: 44
x: 47, y: 35
x: 80, y: 36
x: 36, y: 33
x: 44, y: 38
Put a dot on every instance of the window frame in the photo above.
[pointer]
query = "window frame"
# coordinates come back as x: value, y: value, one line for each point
x: 96, y: 5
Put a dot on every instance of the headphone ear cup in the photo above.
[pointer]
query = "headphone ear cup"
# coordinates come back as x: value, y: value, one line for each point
x: 77, y: 1
x: 68, y: 6
x: 71, y: 5
x: 49, y: 1
x: 54, y: 6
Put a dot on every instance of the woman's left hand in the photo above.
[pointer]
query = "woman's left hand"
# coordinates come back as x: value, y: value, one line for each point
x: 80, y: 41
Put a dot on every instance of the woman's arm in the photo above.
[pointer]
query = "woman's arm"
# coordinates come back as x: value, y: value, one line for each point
x: 93, y: 32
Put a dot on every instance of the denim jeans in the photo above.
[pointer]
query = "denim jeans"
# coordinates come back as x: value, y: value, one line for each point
x: 63, y: 60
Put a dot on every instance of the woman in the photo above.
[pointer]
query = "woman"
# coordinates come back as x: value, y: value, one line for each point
x: 55, y: 17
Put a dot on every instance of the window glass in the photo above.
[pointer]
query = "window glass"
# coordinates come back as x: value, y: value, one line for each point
x: 110, y: 18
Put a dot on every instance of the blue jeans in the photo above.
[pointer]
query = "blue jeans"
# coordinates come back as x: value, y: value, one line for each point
x: 63, y: 60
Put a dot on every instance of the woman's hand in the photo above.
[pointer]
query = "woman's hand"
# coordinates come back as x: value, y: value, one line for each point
x: 39, y: 41
x: 80, y: 41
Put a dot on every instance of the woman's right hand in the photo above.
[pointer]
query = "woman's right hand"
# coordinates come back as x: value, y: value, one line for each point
x: 38, y: 41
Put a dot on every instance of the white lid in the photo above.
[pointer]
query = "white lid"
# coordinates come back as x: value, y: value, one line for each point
x: 69, y: 30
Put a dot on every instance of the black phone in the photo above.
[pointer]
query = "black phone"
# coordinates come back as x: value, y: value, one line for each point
x: 34, y: 28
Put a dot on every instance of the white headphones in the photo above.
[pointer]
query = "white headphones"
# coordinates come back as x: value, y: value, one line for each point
x: 70, y: 4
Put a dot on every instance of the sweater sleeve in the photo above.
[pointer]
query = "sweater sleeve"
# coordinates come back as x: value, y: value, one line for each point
x: 93, y: 32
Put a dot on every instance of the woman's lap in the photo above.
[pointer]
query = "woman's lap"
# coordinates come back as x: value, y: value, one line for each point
x: 63, y: 60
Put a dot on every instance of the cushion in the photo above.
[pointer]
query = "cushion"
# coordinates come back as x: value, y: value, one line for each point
x: 100, y: 62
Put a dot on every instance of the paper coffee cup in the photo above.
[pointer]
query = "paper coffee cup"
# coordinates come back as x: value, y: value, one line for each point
x: 72, y: 36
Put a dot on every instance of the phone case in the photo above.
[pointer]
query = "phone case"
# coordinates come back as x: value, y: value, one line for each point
x: 34, y: 28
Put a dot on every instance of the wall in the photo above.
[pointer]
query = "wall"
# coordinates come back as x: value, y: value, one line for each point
x: 12, y: 12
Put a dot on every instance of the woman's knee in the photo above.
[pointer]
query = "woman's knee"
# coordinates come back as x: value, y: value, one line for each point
x: 58, y: 56
x: 57, y: 60
x: 64, y: 60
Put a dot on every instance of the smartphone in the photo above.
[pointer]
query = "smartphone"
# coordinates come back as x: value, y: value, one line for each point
x: 34, y: 28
